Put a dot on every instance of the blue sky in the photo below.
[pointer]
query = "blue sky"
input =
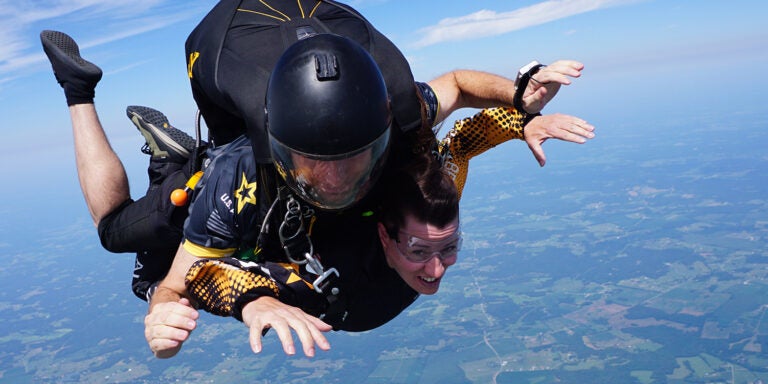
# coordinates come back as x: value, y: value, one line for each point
x: 642, y: 57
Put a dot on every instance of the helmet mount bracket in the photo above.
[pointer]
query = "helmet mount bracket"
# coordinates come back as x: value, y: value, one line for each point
x: 326, y: 66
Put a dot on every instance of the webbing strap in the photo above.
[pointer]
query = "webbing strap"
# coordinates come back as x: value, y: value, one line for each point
x: 299, y: 249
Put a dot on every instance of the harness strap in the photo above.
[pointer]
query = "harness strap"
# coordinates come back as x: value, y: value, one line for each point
x: 298, y: 248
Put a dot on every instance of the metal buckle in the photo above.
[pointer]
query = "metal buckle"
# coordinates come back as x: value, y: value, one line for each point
x: 324, y: 280
x: 291, y: 231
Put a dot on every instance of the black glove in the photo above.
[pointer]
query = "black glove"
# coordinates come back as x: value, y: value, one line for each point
x: 77, y: 76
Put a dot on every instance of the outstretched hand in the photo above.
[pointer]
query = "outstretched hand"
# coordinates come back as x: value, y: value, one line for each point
x: 544, y: 85
x: 267, y: 312
x: 168, y: 325
x: 556, y: 126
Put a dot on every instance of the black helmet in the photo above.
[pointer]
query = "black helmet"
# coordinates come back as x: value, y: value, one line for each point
x: 328, y: 119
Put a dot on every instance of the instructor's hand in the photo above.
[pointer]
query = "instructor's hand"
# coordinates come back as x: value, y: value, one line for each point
x: 168, y: 325
x: 544, y: 85
x: 267, y: 312
x: 556, y: 126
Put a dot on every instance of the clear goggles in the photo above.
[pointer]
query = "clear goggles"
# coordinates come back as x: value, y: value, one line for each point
x: 418, y: 250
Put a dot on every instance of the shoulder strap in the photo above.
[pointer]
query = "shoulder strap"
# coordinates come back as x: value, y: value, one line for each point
x: 397, y: 74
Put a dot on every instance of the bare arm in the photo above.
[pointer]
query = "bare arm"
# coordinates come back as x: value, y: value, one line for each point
x: 471, y: 89
x: 477, y: 89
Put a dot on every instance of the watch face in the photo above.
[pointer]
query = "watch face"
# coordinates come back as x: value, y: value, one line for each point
x: 525, y: 69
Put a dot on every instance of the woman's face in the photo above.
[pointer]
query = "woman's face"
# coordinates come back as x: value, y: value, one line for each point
x: 422, y: 252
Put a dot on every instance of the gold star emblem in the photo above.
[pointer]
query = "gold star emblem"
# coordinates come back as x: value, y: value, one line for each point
x: 245, y: 194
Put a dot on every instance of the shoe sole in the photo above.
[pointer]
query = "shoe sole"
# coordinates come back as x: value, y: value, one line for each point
x: 149, y: 123
x: 64, y: 48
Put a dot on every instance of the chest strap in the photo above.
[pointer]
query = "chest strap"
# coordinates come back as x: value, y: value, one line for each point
x: 297, y: 244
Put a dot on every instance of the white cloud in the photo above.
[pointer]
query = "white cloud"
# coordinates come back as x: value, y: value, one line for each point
x: 96, y: 21
x: 27, y: 12
x: 486, y: 23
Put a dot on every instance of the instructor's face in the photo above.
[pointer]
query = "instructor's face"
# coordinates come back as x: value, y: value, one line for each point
x: 335, y: 182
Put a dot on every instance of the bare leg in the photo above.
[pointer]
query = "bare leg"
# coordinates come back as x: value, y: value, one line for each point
x: 101, y: 174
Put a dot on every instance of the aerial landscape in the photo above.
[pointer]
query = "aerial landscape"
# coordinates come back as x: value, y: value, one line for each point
x: 629, y: 275
x: 640, y: 256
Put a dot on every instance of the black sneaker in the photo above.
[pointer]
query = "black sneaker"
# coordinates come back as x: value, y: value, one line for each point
x: 76, y: 75
x: 163, y: 140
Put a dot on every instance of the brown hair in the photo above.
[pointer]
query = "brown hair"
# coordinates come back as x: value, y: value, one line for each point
x: 422, y: 190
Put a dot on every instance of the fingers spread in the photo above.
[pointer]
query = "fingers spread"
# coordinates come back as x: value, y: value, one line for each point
x: 310, y: 335
x: 284, y: 334
x: 284, y: 319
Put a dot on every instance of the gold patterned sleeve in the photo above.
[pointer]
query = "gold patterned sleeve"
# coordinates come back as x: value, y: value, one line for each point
x: 220, y: 287
x: 474, y: 135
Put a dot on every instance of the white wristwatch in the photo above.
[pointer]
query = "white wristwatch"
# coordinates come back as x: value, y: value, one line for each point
x: 525, y: 69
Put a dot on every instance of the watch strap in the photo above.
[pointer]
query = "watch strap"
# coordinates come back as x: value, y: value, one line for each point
x: 522, y: 84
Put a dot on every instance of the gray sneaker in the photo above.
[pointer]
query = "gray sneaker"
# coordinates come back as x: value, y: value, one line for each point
x: 163, y: 141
